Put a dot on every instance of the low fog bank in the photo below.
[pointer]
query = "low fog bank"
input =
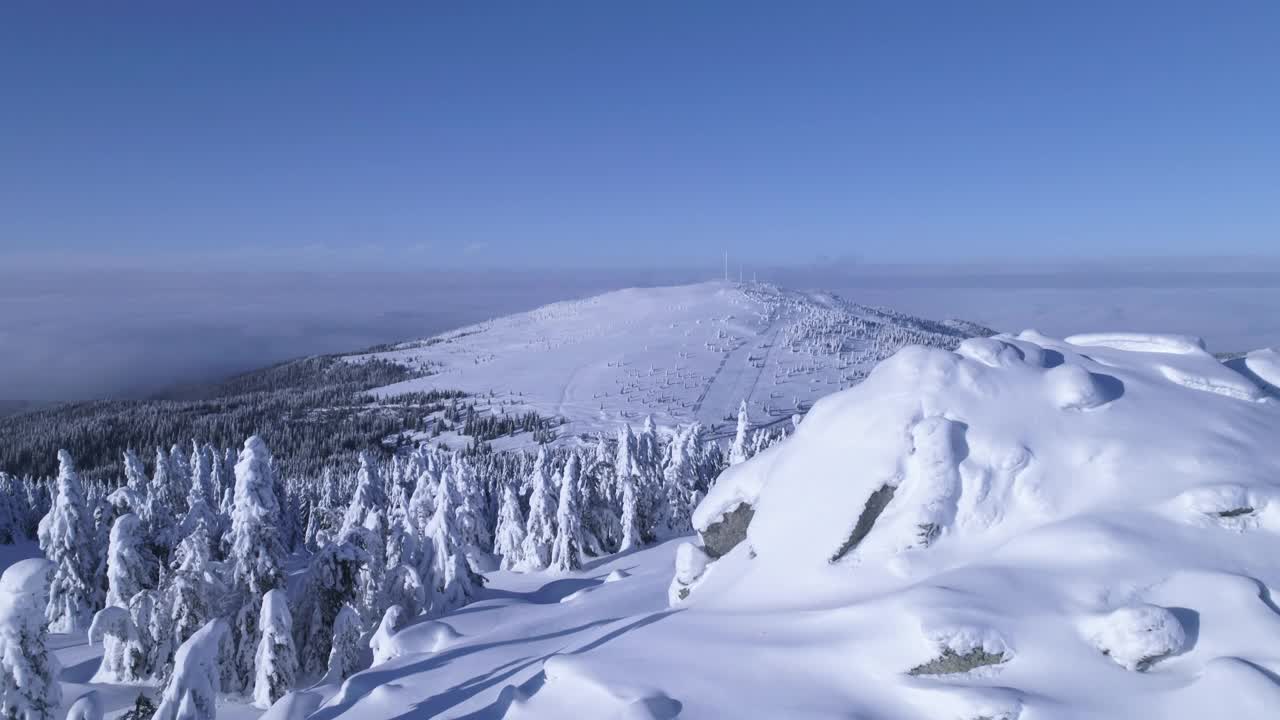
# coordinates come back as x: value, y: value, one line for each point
x: 72, y: 335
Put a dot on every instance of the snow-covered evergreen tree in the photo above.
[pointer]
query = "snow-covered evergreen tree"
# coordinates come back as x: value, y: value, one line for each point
x: 163, y: 511
x: 474, y: 532
x: 124, y: 658
x: 738, y: 450
x: 403, y: 587
x: 329, y: 585
x: 452, y: 582
x: 680, y: 484
x: 344, y: 653
x: 629, y: 490
x: 29, y: 688
x: 277, y: 661
x: 192, y: 691
x: 195, y: 589
x: 382, y: 643
x: 257, y: 557
x: 67, y: 541
x: 509, y: 538
x: 130, y: 566
x: 540, y: 528
x: 370, y: 496
x: 151, y: 634
x: 566, y: 551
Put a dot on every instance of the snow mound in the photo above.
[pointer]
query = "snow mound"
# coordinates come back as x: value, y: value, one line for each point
x: 573, y: 689
x: 1265, y: 364
x: 1111, y: 494
x: 616, y: 575
x: 1141, y: 342
x: 430, y: 636
x: 1136, y: 637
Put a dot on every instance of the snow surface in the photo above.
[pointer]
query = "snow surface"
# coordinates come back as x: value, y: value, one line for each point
x: 1070, y: 531
x: 681, y: 354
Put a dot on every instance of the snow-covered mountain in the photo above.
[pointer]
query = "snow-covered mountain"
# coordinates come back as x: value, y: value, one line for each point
x: 1022, y: 528
x: 679, y: 354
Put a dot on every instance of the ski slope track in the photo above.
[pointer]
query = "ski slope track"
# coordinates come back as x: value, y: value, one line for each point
x: 679, y: 354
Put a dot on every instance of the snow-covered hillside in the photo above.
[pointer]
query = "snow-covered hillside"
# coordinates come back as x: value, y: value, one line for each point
x: 679, y: 354
x: 1024, y: 528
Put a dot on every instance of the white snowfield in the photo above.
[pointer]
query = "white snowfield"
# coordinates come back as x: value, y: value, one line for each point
x: 677, y: 353
x: 1024, y: 528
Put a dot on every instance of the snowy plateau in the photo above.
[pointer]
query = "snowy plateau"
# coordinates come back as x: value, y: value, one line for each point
x: 964, y: 525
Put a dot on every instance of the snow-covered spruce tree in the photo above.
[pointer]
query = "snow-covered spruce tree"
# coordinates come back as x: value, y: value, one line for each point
x: 66, y: 539
x: 329, y: 585
x: 371, y: 538
x: 321, y: 526
x: 629, y: 490
x: 452, y: 582
x: 277, y: 661
x: 256, y: 557
x: 540, y: 529
x: 566, y: 551
x: 192, y: 691
x: 509, y: 539
x: 403, y: 587
x: 130, y: 565
x: 180, y: 473
x: 422, y: 500
x: 738, y: 450
x: 200, y: 509
x: 162, y: 512
x: 369, y: 497
x: 29, y: 688
x: 680, y: 482
x: 142, y: 610
x: 194, y: 590
x: 345, y: 650
x: 473, y: 530
x: 124, y: 659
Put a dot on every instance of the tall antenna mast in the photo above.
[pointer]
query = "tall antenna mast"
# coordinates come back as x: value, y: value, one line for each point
x: 726, y: 266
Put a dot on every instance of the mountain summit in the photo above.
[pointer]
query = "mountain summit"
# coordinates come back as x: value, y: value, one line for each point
x: 681, y: 354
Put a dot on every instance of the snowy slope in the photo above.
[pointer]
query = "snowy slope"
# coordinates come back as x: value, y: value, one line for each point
x: 1085, y: 529
x: 678, y: 353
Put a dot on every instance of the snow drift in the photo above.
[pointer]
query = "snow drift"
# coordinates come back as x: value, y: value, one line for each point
x: 1086, y: 528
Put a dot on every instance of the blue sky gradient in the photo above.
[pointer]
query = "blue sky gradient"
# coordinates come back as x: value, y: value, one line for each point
x: 422, y: 134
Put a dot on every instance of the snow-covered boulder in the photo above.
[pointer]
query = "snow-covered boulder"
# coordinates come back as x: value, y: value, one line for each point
x: 1138, y: 636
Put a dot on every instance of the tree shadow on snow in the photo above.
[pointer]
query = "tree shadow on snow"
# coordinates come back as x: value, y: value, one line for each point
x: 549, y: 594
x: 499, y: 707
x: 361, y: 684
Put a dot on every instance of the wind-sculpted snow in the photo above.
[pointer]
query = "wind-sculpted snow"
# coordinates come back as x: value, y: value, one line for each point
x: 679, y: 354
x: 1106, y: 506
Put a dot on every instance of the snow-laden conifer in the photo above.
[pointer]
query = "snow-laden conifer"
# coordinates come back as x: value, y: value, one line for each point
x: 540, y: 527
x: 29, y: 688
x: 277, y: 661
x: 566, y: 551
x: 67, y: 541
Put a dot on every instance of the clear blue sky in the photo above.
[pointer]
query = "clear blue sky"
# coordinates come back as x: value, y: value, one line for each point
x: 606, y: 133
